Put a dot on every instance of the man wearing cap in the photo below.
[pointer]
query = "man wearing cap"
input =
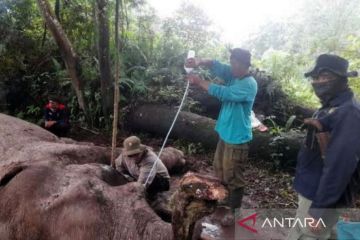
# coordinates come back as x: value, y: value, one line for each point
x: 140, y: 163
x: 327, y: 172
x: 56, y: 118
x: 233, y: 125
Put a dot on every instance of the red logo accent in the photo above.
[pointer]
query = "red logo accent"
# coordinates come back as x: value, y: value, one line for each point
x: 251, y: 217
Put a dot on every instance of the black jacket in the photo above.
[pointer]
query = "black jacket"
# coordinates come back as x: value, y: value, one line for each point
x: 331, y: 182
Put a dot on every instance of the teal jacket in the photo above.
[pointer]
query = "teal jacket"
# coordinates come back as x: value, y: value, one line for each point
x: 237, y: 97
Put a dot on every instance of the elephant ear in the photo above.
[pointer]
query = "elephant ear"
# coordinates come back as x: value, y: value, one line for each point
x: 7, y: 173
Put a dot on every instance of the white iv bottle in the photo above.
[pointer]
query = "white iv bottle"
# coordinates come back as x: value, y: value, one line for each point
x: 191, y: 54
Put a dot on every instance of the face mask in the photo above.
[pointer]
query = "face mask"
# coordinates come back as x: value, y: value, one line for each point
x: 325, y: 91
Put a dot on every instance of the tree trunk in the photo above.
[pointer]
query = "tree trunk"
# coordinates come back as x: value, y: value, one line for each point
x: 106, y: 80
x: 116, y: 83
x: 280, y: 150
x: 157, y: 119
x: 68, y: 54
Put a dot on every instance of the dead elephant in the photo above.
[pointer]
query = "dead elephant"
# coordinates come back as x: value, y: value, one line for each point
x: 53, y: 190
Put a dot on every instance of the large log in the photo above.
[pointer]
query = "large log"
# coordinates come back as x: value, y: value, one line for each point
x: 50, y: 189
x: 156, y: 119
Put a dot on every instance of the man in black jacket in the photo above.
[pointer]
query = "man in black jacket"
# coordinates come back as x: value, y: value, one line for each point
x: 327, y: 173
x: 56, y: 118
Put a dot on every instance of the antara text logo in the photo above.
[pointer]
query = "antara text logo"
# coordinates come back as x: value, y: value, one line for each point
x: 249, y: 222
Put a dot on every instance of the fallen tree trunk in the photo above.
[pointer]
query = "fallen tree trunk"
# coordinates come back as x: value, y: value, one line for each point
x: 156, y: 119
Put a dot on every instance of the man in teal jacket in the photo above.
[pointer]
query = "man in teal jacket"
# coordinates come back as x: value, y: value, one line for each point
x: 237, y: 96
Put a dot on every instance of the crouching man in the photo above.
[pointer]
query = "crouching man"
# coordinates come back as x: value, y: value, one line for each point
x: 56, y: 118
x: 137, y: 162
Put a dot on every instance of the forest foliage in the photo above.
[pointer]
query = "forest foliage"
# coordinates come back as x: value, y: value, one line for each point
x: 152, y: 52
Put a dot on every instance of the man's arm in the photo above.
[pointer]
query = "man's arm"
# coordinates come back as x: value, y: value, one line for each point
x: 218, y: 69
x: 243, y: 91
x: 120, y: 167
x: 197, y: 62
x: 46, y: 114
x: 146, y: 173
x: 47, y: 118
x: 340, y: 162
x: 197, y: 80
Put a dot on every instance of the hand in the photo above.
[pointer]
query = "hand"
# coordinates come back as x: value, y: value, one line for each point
x: 192, y: 62
x: 49, y: 124
x: 314, y: 123
x: 194, y: 79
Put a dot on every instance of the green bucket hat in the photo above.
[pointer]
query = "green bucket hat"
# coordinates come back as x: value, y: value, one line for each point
x: 132, y: 145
